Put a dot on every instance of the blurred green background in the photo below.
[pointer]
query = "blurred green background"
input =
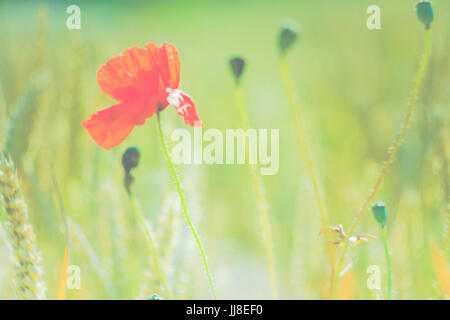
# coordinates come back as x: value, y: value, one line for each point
x: 353, y: 84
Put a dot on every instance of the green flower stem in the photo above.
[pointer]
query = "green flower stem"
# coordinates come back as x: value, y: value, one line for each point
x: 183, y: 205
x: 151, y: 243
x: 392, y: 151
x: 258, y: 188
x: 304, y: 149
x: 388, y: 260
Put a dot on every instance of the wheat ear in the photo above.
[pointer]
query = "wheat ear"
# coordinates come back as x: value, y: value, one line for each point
x: 27, y: 270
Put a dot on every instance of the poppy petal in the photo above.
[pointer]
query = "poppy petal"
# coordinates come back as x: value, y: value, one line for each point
x: 185, y: 107
x: 149, y: 108
x: 109, y: 127
x: 167, y: 59
x: 131, y: 74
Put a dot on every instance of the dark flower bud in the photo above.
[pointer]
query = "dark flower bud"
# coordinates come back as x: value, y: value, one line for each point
x: 130, y: 159
x: 237, y: 65
x: 379, y: 212
x: 288, y: 35
x: 425, y: 12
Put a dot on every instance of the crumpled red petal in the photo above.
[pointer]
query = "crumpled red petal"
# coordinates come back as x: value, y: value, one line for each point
x: 109, y: 127
x: 185, y: 107
x: 131, y: 75
x: 167, y: 59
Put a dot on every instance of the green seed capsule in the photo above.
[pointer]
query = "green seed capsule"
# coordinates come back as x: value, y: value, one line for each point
x: 379, y: 212
x: 425, y: 12
x: 237, y: 65
x: 130, y: 159
x: 289, y: 33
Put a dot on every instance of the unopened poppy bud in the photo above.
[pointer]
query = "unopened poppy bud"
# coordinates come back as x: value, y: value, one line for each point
x: 288, y: 35
x: 130, y: 159
x: 237, y: 65
x: 379, y: 212
x: 425, y: 12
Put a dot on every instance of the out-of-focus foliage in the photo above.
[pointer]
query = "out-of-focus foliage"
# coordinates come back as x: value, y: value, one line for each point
x: 353, y: 84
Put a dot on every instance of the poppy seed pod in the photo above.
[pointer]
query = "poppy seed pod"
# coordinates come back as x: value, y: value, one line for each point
x: 288, y: 35
x: 237, y: 65
x: 379, y: 212
x: 425, y: 12
x: 130, y: 159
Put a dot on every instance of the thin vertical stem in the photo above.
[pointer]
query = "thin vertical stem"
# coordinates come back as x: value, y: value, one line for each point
x: 148, y: 235
x: 304, y: 149
x: 61, y: 206
x: 176, y: 178
x: 262, y: 206
x: 392, y: 150
x: 388, y: 260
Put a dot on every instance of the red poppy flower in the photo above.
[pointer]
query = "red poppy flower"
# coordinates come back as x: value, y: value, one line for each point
x: 143, y: 81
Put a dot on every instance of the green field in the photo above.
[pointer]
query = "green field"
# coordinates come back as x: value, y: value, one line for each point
x: 353, y: 85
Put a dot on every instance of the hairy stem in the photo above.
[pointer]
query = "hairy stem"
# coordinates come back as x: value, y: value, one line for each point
x: 388, y: 260
x: 392, y: 151
x: 262, y: 206
x: 176, y: 178
x: 304, y: 149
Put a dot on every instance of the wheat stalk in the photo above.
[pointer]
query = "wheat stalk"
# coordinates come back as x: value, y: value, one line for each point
x: 27, y: 271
